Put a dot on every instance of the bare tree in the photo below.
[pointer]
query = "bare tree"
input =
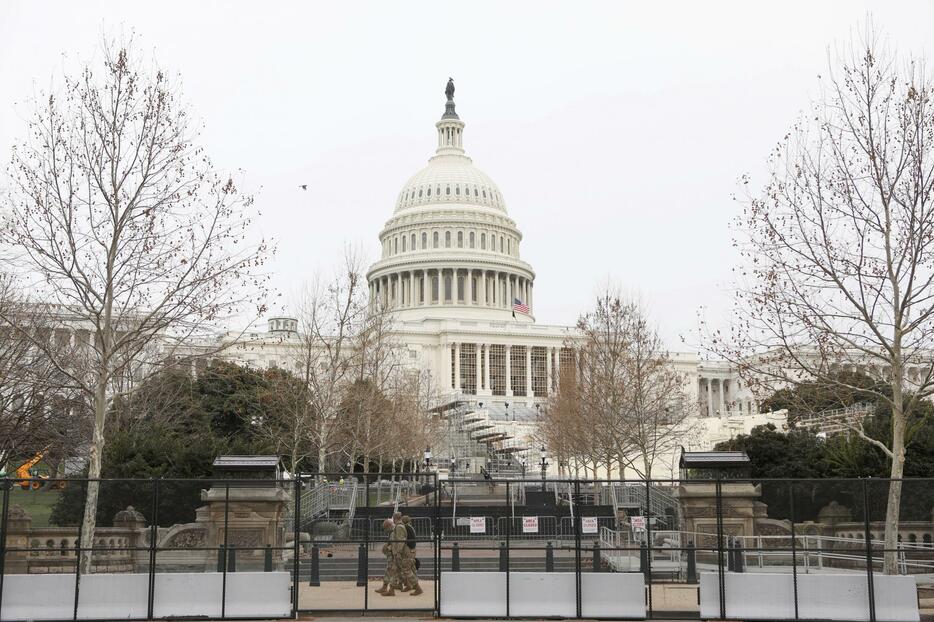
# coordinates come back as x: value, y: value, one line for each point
x: 331, y: 315
x: 838, y: 249
x: 626, y: 403
x: 120, y: 219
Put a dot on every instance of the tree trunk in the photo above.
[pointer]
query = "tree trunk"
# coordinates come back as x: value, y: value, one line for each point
x: 893, y: 506
x: 89, y: 522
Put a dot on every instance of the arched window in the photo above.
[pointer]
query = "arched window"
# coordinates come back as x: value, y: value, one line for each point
x: 484, y: 193
x: 447, y: 288
x: 501, y: 244
x: 508, y: 246
x: 434, y: 239
x: 412, y: 245
x: 447, y: 239
x: 471, y: 239
x: 429, y: 190
x: 419, y: 193
x: 424, y: 241
x: 457, y: 190
x: 403, y: 244
x: 483, y: 241
x: 460, y: 239
x: 434, y: 288
x: 395, y: 245
x: 475, y: 191
x: 447, y: 191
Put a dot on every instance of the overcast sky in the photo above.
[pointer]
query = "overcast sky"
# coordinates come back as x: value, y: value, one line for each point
x: 616, y: 131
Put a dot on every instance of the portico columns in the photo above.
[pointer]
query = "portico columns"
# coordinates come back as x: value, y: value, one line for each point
x: 548, y: 381
x: 722, y: 398
x: 486, y: 366
x: 508, y: 370
x: 710, y: 397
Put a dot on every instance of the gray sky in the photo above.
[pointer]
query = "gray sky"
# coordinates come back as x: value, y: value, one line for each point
x: 615, y: 130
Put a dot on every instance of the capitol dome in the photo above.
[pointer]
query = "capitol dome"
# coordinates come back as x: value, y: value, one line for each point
x: 450, y: 249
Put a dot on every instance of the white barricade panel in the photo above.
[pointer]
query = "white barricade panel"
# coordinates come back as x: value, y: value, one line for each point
x: 750, y: 596
x: 613, y: 595
x: 846, y: 597
x: 542, y: 594
x: 38, y: 597
x: 473, y: 594
x: 113, y: 596
x: 260, y: 594
x: 187, y: 594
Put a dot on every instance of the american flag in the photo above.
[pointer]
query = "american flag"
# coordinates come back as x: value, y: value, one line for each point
x: 521, y: 307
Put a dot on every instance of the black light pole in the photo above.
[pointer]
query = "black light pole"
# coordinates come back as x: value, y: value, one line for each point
x: 544, y: 453
x: 427, y: 463
x: 522, y: 463
x: 453, y: 465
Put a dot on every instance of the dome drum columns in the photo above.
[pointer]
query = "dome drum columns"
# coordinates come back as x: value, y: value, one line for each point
x: 471, y: 287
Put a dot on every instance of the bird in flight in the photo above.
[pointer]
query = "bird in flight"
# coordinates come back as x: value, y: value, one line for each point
x: 304, y: 186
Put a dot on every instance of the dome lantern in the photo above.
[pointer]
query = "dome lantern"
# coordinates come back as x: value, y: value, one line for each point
x: 450, y: 127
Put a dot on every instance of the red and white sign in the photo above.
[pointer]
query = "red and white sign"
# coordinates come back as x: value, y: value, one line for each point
x: 588, y: 524
x: 478, y: 524
x: 529, y: 524
x: 637, y: 522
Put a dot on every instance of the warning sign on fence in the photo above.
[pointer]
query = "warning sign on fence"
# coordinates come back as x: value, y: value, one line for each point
x: 637, y: 522
x: 529, y: 524
x: 477, y: 524
x: 588, y: 524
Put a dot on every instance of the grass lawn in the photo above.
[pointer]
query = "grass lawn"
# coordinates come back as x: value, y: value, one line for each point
x: 37, y: 503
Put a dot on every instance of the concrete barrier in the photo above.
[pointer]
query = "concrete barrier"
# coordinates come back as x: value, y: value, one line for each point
x: 542, y: 594
x: 121, y: 596
x: 770, y: 596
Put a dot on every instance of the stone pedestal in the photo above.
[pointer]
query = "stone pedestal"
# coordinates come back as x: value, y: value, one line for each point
x: 255, y: 518
x: 19, y: 524
x: 740, y: 509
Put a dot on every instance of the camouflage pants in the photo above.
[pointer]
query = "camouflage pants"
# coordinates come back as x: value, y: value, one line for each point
x: 407, y: 568
x: 392, y: 575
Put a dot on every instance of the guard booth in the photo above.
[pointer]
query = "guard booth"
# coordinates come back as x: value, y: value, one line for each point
x: 712, y: 465
x: 265, y: 470
x: 716, y: 495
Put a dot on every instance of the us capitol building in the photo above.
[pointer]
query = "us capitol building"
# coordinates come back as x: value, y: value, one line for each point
x: 463, y: 300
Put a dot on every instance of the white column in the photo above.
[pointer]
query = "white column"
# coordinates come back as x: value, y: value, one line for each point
x: 413, y: 298
x: 508, y: 370
x: 457, y: 367
x: 548, y: 380
x: 486, y: 366
x: 530, y: 297
x: 468, y: 298
x: 509, y: 294
x: 479, y: 381
x: 528, y: 371
x: 709, y: 397
x: 454, y: 289
x: 722, y: 397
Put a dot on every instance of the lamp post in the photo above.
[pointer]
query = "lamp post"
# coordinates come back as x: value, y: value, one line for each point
x: 544, y: 454
x: 453, y: 465
x: 523, y: 464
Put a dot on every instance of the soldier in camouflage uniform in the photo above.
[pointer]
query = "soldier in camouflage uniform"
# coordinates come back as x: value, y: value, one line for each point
x: 391, y: 579
x: 404, y: 556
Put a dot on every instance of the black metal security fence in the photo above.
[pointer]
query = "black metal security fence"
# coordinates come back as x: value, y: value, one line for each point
x: 249, y: 548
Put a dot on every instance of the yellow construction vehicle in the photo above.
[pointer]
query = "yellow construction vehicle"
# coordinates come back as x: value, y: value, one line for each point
x: 31, y: 478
